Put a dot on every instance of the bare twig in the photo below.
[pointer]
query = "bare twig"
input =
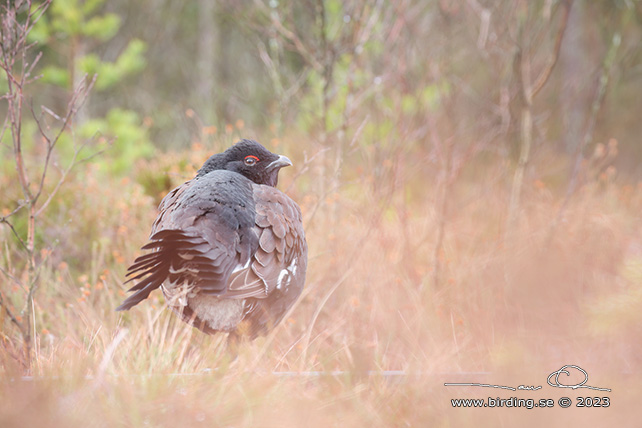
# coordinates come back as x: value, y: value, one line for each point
x: 4, y: 127
x: 18, y: 69
x: 546, y: 73
x: 446, y: 183
x: 306, y: 166
x: 13, y: 278
x: 75, y: 103
x: 609, y: 60
x: 21, y: 205
x: 291, y: 36
x: 15, y: 232
x: 11, y: 316
x: 522, y: 69
x: 353, y: 258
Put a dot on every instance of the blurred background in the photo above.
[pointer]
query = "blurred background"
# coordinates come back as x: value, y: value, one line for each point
x: 469, y: 173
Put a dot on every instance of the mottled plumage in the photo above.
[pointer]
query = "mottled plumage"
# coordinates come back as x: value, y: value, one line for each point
x: 228, y: 248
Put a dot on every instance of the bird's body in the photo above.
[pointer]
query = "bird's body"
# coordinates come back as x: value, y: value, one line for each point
x: 229, y: 251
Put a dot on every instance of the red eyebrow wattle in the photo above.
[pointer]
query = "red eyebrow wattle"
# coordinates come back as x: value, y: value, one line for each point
x: 251, y: 156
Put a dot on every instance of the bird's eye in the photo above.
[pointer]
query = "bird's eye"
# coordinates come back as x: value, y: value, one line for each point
x: 250, y: 160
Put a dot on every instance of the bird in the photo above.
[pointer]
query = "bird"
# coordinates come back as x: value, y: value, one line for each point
x: 228, y: 249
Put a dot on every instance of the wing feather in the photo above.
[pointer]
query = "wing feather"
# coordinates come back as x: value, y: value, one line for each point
x: 205, y: 228
x: 275, y: 277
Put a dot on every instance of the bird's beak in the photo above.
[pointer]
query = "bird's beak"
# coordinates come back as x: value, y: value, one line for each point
x: 281, y: 162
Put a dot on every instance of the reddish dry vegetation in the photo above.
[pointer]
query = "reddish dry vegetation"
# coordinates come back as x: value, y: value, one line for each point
x: 465, y: 218
x: 503, y: 308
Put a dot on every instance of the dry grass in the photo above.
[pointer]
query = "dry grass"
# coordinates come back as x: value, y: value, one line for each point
x: 516, y: 310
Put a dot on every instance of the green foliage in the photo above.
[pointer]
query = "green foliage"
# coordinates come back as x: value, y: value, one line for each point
x: 131, y: 61
x: 311, y: 105
x: 71, y: 18
x: 334, y: 17
x: 40, y: 32
x: 127, y: 138
x: 77, y: 26
x: 102, y: 28
x: 55, y: 75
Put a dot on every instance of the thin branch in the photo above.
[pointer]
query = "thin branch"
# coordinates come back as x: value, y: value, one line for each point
x: 4, y: 127
x: 306, y: 166
x: 359, y: 130
x: 609, y: 60
x: 21, y: 205
x: 13, y: 278
x: 546, y: 73
x: 74, y: 162
x: 8, y: 223
x: 442, y: 212
x: 294, y: 39
x: 77, y: 100
x: 18, y: 70
x: 10, y: 314
x: 354, y: 257
x: 32, y: 66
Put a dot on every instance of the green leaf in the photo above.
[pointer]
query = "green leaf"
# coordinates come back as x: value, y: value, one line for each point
x: 55, y: 76
x: 132, y: 59
x: 103, y: 27
x: 129, y: 138
x: 67, y: 17
x: 409, y: 104
x: 90, y: 6
x: 40, y: 32
x: 89, y: 64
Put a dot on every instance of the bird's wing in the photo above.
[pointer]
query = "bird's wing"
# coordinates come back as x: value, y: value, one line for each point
x: 280, y: 260
x: 204, y: 232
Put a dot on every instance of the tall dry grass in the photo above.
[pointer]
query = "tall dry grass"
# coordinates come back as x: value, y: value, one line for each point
x: 507, y: 311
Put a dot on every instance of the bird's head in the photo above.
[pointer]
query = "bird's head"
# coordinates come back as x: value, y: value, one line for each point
x: 250, y: 159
